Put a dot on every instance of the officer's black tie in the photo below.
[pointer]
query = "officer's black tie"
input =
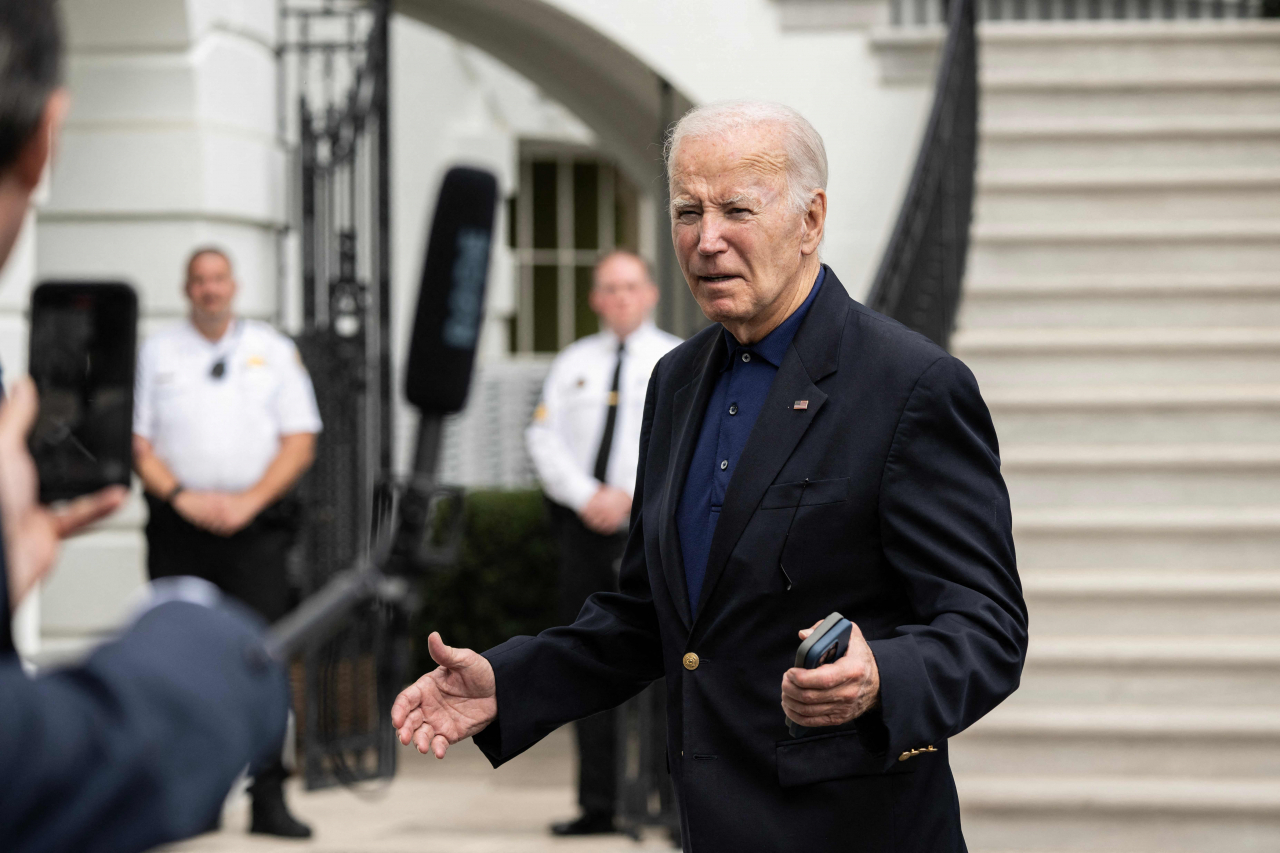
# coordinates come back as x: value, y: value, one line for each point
x: 610, y: 418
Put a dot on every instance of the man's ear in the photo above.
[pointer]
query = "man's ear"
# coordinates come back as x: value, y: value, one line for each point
x: 38, y: 150
x: 815, y: 220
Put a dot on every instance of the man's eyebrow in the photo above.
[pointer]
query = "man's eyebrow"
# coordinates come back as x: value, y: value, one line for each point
x: 739, y: 199
x: 683, y: 203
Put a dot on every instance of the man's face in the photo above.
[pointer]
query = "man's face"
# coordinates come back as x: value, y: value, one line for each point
x: 622, y: 295
x: 737, y: 238
x: 210, y: 286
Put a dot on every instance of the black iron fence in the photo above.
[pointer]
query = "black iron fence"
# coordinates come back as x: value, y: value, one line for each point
x: 920, y: 276
x: 334, y: 83
x: 926, y: 12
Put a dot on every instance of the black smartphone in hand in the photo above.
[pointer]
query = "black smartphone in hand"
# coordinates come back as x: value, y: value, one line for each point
x: 828, y: 642
x: 83, y: 352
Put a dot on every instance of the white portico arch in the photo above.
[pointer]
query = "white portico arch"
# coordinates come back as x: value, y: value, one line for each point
x: 625, y: 102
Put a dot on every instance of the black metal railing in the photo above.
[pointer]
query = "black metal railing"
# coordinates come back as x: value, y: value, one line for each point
x: 914, y: 13
x: 921, y: 273
x: 334, y: 104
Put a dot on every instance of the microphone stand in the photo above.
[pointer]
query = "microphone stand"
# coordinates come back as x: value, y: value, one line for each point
x: 384, y: 575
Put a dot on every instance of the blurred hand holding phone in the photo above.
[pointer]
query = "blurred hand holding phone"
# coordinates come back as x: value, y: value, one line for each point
x: 83, y: 342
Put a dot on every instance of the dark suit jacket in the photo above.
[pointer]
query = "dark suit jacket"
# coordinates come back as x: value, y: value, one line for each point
x: 904, y: 527
x: 139, y: 745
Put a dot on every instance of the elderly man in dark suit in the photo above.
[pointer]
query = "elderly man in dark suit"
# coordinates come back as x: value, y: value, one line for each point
x: 802, y: 455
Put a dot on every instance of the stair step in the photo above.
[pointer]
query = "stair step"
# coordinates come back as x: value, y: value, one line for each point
x: 1126, y: 231
x: 1170, y: 671
x: 1157, y: 197
x: 1164, y: 671
x: 1110, y: 355
x: 1152, y: 603
x: 1243, y: 539
x: 1128, y: 46
x: 1125, y: 248
x: 1153, y: 91
x: 1045, y: 476
x: 1111, y: 142
x: 1125, y: 414
x: 1108, y: 814
x: 1091, y: 741
x: 1105, y: 301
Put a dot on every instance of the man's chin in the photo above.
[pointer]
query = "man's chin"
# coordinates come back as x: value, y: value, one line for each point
x: 723, y: 310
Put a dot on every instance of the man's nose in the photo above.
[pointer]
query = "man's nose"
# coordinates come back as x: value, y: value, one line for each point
x: 710, y: 236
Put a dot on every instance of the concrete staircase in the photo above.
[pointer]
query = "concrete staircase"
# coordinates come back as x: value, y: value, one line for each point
x: 1122, y: 314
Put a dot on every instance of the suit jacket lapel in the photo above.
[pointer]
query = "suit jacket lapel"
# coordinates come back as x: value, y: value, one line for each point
x: 688, y: 406
x: 813, y: 355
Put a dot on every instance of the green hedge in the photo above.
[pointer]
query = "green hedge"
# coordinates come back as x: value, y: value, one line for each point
x: 505, y: 583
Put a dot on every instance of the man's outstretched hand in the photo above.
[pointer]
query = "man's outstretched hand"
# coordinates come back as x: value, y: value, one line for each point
x: 451, y: 703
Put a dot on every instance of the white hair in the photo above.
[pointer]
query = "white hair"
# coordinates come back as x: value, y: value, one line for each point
x: 806, y: 156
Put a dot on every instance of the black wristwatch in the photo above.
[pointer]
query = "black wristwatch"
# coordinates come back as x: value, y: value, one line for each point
x: 173, y: 493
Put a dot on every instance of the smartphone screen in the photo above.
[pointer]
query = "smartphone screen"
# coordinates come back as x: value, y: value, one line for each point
x: 82, y: 356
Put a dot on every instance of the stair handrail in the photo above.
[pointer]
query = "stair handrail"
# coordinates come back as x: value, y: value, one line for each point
x: 921, y: 273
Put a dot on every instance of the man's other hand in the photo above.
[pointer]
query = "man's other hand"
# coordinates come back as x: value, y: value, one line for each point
x: 606, y: 510
x: 203, y: 509
x: 221, y: 513
x: 31, y: 531
x: 451, y: 703
x: 834, y: 693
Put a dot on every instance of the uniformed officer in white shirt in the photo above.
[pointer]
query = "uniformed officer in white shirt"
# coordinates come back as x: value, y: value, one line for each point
x: 225, y: 422
x: 585, y: 443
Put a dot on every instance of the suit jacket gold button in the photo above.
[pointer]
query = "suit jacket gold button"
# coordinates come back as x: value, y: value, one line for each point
x: 691, y: 661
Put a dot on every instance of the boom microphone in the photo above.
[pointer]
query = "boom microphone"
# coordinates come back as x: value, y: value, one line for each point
x: 442, y: 353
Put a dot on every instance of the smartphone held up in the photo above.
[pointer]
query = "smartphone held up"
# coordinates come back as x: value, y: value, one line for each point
x: 83, y: 350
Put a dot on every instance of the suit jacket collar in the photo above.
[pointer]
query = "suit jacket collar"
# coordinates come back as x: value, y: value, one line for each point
x: 813, y: 355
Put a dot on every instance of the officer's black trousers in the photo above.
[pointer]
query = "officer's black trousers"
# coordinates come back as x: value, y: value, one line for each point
x: 589, y: 564
x: 249, y: 566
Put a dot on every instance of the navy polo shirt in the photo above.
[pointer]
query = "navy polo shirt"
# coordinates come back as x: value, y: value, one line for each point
x: 736, y: 401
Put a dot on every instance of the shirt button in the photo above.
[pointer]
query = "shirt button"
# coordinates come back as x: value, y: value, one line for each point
x: 690, y: 663
x: 724, y: 463
x: 746, y: 356
x: 733, y: 410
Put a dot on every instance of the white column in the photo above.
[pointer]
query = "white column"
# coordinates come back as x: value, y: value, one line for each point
x: 170, y: 143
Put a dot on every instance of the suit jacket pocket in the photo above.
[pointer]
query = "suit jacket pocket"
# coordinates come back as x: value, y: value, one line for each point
x: 786, y: 495
x: 821, y: 758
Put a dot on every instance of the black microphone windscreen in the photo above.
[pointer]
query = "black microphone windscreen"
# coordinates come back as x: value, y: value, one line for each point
x: 446, y: 327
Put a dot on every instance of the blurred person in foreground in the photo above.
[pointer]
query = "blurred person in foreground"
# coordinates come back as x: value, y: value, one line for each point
x: 138, y: 745
x: 803, y: 455
x: 583, y: 440
x: 225, y: 422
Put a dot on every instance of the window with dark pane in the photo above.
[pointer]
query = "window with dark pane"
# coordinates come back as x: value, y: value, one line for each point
x: 564, y: 195
x: 546, y: 308
x: 585, y: 320
x: 544, y: 205
x: 586, y: 205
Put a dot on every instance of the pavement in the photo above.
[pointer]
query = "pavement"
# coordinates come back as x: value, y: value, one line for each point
x: 458, y: 805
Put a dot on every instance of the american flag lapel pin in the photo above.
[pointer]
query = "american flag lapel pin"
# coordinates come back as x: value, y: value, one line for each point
x: 801, y: 405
